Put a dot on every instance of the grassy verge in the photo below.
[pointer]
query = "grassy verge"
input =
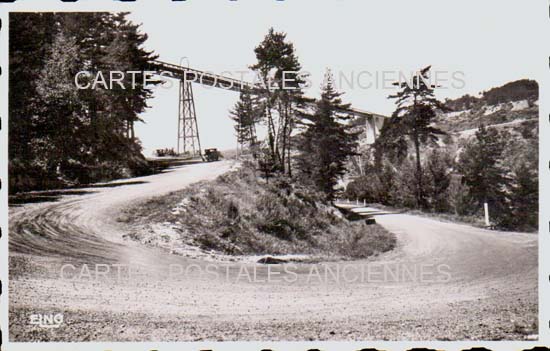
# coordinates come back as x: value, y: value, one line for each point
x: 240, y: 214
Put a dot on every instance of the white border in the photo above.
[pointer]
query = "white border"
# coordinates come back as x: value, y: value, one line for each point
x: 543, y: 79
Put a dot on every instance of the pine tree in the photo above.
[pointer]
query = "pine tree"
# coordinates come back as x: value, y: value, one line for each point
x: 61, y: 110
x: 278, y: 68
x: 481, y: 167
x: 29, y: 33
x: 411, y: 123
x: 246, y: 115
x: 58, y: 132
x: 438, y: 169
x: 524, y: 198
x: 327, y: 142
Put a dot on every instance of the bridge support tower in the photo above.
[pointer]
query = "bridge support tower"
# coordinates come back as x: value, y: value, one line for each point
x: 188, y: 130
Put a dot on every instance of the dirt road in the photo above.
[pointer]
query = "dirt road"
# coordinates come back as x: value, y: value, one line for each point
x: 444, y: 281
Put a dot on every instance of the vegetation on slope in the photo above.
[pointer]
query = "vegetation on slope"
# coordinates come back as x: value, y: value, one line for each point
x: 61, y: 135
x: 477, y: 160
x: 241, y: 214
x: 513, y: 102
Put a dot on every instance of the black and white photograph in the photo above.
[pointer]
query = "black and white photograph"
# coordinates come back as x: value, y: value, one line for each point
x: 272, y: 171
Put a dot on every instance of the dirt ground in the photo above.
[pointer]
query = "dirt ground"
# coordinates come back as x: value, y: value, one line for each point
x: 444, y: 281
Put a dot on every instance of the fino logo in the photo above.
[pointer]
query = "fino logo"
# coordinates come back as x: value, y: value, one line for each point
x: 46, y: 320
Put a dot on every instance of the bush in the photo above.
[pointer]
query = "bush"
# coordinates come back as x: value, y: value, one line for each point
x: 460, y: 201
x: 438, y: 169
x: 240, y: 213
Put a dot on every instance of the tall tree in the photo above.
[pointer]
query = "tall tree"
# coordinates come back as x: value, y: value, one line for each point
x: 481, y: 167
x: 60, y: 112
x: 60, y: 133
x: 524, y: 197
x: 411, y: 123
x: 328, y: 140
x: 246, y: 115
x: 278, y: 69
x: 439, y: 166
x: 29, y: 33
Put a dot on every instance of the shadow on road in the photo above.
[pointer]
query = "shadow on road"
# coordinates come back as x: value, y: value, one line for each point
x: 114, y: 185
x: 157, y: 167
x: 42, y: 196
x: 20, y: 199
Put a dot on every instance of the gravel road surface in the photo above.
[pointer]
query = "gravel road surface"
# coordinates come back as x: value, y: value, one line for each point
x: 444, y: 281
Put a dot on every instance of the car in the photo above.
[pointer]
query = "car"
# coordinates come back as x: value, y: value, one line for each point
x: 211, y: 155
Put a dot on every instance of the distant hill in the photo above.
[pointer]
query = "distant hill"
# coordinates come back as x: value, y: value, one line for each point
x: 512, y: 109
x: 508, y: 106
x: 519, y: 90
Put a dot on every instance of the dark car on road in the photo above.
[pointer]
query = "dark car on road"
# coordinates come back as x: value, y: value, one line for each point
x: 211, y: 155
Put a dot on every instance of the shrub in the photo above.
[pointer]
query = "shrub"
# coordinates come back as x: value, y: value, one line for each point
x: 240, y: 213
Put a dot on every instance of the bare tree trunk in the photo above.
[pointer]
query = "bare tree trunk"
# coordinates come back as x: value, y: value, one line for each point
x: 271, y: 132
x: 288, y: 156
x: 416, y: 137
x: 419, y: 190
x: 272, y: 136
x: 284, y: 135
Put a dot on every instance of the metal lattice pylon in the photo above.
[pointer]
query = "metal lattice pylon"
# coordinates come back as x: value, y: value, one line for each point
x: 188, y: 131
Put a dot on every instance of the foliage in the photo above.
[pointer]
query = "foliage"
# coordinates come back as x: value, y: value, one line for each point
x: 524, y: 198
x: 391, y: 184
x: 239, y: 213
x: 411, y: 123
x: 438, y: 174
x: 489, y: 168
x: 60, y: 134
x: 246, y: 114
x: 498, y: 164
x: 327, y: 142
x: 279, y: 69
x: 462, y: 103
x: 481, y: 168
x: 323, y: 140
x: 524, y: 89
x: 461, y: 202
x: 266, y: 163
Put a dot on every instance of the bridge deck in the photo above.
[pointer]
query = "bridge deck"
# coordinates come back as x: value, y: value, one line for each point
x: 228, y: 83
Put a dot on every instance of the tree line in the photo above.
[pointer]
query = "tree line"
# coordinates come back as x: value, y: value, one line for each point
x: 496, y: 167
x: 523, y: 89
x: 411, y: 163
x: 61, y: 135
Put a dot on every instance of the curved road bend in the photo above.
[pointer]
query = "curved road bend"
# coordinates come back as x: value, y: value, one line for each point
x: 444, y: 281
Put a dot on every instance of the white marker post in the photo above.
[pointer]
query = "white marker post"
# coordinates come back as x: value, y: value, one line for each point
x: 486, y: 207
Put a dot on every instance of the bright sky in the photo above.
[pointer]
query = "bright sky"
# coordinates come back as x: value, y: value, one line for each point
x: 489, y: 41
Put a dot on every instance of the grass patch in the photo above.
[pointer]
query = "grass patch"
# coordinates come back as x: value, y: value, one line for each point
x: 240, y: 214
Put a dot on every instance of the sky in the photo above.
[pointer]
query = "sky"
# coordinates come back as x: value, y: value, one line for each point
x: 486, y: 42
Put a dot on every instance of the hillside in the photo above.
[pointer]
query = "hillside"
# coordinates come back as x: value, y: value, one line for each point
x: 242, y: 214
x: 512, y: 109
x: 510, y: 106
x: 507, y: 148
